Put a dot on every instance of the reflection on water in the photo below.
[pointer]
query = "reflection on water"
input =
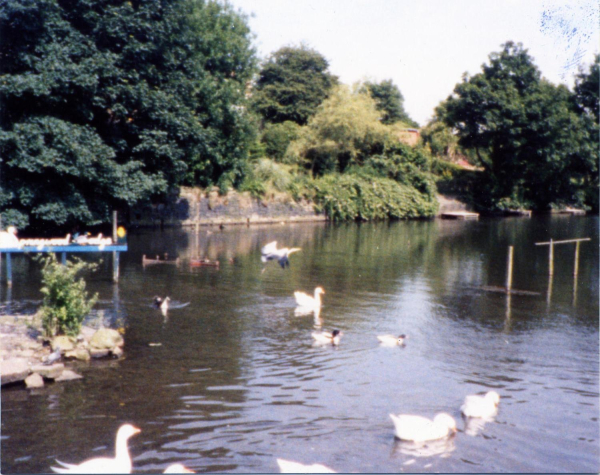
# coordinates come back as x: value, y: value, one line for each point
x: 232, y: 381
x: 475, y: 425
x: 441, y: 448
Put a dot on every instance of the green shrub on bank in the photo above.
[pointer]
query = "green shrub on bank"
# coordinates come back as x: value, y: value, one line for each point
x: 452, y: 179
x: 356, y: 197
x: 265, y: 176
x: 66, y: 302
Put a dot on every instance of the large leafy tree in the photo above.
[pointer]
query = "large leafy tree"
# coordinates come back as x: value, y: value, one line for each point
x: 344, y: 132
x: 587, y: 89
x: 108, y: 102
x: 390, y: 102
x: 528, y: 136
x: 291, y: 85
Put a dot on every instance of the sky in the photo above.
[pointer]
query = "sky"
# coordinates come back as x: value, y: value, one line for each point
x: 425, y: 46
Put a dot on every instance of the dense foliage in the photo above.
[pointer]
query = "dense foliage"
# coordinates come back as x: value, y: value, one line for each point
x: 390, y: 102
x: 344, y: 131
x: 277, y: 137
x: 587, y: 90
x: 535, y: 148
x: 366, y: 198
x: 108, y: 102
x: 66, y: 302
x: 291, y: 85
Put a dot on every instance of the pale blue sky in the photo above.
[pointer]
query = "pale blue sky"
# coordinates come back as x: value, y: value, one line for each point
x: 425, y: 46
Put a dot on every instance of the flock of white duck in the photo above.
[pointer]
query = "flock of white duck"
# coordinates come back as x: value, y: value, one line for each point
x: 407, y: 427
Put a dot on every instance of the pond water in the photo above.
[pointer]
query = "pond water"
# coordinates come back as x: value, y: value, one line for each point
x: 232, y: 380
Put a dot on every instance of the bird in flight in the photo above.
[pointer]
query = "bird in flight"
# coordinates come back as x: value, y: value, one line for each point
x: 269, y: 252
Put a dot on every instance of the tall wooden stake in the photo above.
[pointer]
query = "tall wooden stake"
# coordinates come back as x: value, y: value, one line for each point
x: 551, y: 259
x: 576, y: 268
x: 509, y: 269
x: 114, y: 223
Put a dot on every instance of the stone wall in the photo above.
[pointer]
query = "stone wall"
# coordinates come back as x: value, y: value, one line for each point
x: 195, y: 206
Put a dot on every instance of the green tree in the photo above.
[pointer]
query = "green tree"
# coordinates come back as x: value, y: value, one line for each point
x: 390, y: 102
x: 440, y: 140
x: 344, y: 131
x: 532, y: 143
x: 291, y: 85
x: 277, y: 137
x: 587, y: 89
x: 106, y: 103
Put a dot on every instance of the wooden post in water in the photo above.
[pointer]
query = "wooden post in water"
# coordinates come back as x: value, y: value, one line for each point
x: 576, y: 267
x: 509, y: 269
x: 575, y: 272
x: 551, y: 243
x: 551, y: 259
x: 115, y: 253
x: 549, y: 293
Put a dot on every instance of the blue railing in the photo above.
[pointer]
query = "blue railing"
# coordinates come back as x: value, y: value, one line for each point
x: 62, y: 249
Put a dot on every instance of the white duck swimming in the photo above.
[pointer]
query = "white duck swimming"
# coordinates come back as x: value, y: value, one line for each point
x: 307, y: 302
x: 178, y: 468
x: 421, y: 429
x: 481, y: 406
x: 287, y: 466
x: 269, y: 252
x: 331, y: 338
x: 391, y: 340
x: 120, y: 464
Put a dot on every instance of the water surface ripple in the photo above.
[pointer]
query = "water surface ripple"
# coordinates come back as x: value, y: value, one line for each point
x: 233, y: 381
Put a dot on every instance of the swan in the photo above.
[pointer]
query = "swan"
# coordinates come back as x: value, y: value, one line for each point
x: 161, y: 303
x: 287, y: 466
x: 269, y: 252
x: 307, y: 302
x: 391, y: 340
x: 421, y: 429
x: 120, y: 464
x: 178, y: 468
x: 481, y: 406
x: 332, y: 338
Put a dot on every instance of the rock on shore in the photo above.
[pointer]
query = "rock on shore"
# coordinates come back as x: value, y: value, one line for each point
x: 23, y: 351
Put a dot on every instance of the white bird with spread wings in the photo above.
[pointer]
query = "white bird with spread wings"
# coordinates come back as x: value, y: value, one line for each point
x: 269, y: 252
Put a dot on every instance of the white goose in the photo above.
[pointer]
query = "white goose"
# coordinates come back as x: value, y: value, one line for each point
x: 178, y: 468
x: 120, y: 464
x: 287, y: 466
x: 421, y: 429
x: 330, y: 338
x: 391, y: 340
x: 307, y: 302
x: 481, y: 406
